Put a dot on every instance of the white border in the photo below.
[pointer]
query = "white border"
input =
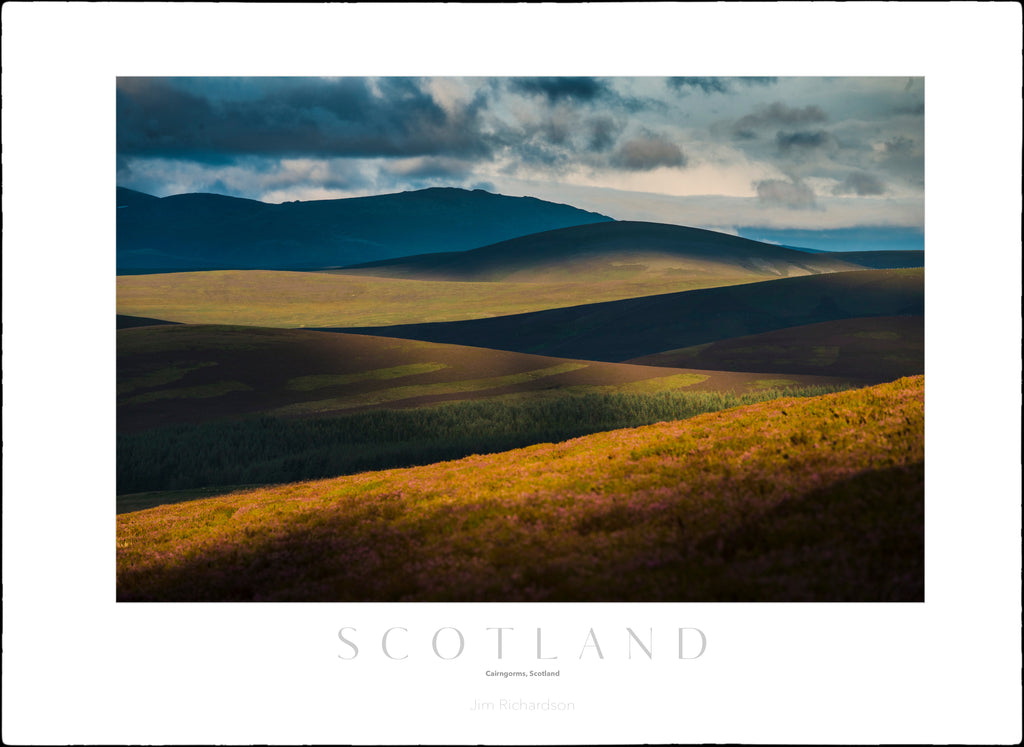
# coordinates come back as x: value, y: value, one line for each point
x: 79, y: 668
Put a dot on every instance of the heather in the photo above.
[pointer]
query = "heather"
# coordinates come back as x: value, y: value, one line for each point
x: 276, y: 449
x: 792, y: 499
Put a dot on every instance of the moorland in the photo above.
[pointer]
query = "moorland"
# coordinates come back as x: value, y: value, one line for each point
x: 451, y: 395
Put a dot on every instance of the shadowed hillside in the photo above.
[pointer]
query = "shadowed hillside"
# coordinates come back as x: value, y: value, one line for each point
x: 126, y: 322
x: 622, y: 330
x: 883, y: 260
x: 610, y: 251
x: 195, y: 374
x: 880, y: 348
x: 207, y: 231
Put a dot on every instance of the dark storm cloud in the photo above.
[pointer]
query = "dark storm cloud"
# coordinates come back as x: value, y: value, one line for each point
x: 644, y: 154
x: 603, y: 131
x: 717, y: 85
x: 860, y: 183
x: 778, y: 114
x: 782, y: 193
x: 324, y: 118
x: 560, y: 89
x: 557, y: 130
x: 801, y: 141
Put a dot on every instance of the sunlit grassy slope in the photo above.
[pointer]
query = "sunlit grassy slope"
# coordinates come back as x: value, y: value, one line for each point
x: 309, y: 299
x: 816, y: 499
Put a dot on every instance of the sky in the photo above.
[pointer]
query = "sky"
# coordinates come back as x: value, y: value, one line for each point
x: 801, y: 156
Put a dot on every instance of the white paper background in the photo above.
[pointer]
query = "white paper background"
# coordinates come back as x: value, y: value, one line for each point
x: 79, y: 668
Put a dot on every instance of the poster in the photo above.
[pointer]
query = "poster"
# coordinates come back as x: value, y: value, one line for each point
x: 238, y: 673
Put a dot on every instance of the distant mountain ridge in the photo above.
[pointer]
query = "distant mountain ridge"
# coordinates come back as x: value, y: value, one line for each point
x: 208, y: 231
x: 604, y: 250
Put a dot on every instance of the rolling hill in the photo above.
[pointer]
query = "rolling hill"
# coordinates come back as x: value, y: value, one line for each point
x: 197, y: 373
x: 820, y: 499
x: 611, y: 251
x: 208, y: 231
x: 274, y: 298
x: 204, y: 407
x: 627, y: 329
x: 877, y: 349
x: 883, y: 259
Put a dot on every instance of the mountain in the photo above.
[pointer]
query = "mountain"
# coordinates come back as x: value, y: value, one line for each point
x: 609, y: 251
x: 851, y: 239
x: 208, y: 231
x: 622, y: 330
x: 885, y: 259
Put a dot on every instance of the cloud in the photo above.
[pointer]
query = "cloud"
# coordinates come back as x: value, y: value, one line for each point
x: 780, y: 192
x: 348, y: 117
x: 902, y: 157
x: 899, y: 146
x: 560, y: 89
x: 915, y: 108
x: 860, y: 183
x: 644, y: 154
x: 801, y: 141
x: 778, y: 114
x: 603, y: 131
x: 716, y: 85
x: 252, y: 177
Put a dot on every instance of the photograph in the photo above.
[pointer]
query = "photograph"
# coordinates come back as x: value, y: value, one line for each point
x: 524, y: 339
x: 511, y: 373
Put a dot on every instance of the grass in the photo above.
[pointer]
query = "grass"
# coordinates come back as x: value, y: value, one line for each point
x: 325, y: 381
x: 275, y: 450
x: 638, y: 329
x: 306, y: 299
x: 160, y: 377
x: 394, y: 394
x: 149, y: 499
x: 305, y: 373
x: 204, y: 391
x: 876, y: 349
x: 772, y: 383
x: 647, y: 386
x: 810, y: 499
